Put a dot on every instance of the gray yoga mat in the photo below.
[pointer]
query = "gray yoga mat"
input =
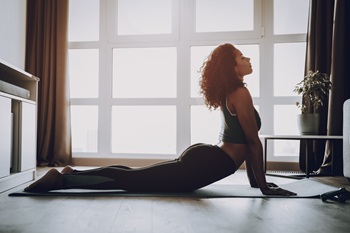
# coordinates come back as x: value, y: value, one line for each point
x: 305, y: 188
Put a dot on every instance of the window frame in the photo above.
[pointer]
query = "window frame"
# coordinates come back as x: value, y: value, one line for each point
x: 183, y: 37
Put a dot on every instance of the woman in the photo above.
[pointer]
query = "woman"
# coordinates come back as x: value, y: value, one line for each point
x: 222, y: 84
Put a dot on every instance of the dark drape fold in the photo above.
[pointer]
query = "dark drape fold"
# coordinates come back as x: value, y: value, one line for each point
x: 318, y: 57
x: 327, y: 51
x: 46, y: 58
x: 341, y: 84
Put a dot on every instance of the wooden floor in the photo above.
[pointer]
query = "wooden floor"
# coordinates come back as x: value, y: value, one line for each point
x: 166, y: 215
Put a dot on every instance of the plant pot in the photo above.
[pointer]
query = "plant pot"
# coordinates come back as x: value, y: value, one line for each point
x: 308, y: 123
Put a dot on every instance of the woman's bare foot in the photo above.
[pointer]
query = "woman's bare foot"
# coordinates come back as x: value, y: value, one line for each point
x: 53, y: 179
x: 67, y: 170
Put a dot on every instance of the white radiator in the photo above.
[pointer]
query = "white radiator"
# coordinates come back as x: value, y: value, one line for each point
x: 346, y: 138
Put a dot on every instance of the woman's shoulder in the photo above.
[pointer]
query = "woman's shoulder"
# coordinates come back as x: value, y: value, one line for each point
x: 239, y: 99
x: 239, y: 94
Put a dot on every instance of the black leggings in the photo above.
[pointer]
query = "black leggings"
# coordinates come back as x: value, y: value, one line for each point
x: 198, y: 166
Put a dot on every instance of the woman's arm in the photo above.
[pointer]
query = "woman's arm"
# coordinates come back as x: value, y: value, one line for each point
x: 251, y: 176
x: 243, y: 106
x: 250, y: 173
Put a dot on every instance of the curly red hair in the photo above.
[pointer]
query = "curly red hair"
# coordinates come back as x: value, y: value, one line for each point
x: 218, y: 76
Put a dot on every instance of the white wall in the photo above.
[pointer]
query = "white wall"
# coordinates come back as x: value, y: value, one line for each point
x: 13, y: 31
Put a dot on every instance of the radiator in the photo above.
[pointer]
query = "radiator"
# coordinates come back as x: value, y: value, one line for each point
x: 346, y: 138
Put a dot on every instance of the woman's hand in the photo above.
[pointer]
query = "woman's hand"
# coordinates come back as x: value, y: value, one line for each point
x: 273, y: 189
x: 269, y: 184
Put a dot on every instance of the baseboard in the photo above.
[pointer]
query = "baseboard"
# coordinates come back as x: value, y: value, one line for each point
x: 283, y: 166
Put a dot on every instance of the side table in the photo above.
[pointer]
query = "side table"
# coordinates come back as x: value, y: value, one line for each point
x: 308, y: 138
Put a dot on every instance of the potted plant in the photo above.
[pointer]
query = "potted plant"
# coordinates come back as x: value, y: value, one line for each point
x: 314, y: 89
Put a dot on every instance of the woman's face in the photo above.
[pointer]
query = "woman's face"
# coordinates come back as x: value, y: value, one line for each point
x: 243, y: 66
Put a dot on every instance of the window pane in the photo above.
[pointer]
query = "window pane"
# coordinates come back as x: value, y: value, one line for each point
x: 83, y: 73
x: 289, y: 63
x: 139, y: 17
x: 205, y: 125
x: 84, y: 20
x: 200, y: 53
x: 224, y: 15
x: 290, y: 16
x: 144, y: 72
x: 144, y: 129
x: 84, y: 128
x: 285, y: 123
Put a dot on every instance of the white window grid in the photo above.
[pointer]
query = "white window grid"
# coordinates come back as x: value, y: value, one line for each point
x: 182, y: 37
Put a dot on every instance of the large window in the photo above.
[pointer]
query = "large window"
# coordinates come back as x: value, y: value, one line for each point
x: 134, y: 71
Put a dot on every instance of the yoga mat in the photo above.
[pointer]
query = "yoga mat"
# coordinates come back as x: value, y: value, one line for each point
x: 305, y: 188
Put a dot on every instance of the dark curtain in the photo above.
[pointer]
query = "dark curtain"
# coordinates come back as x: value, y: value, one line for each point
x: 328, y: 51
x: 46, y: 58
